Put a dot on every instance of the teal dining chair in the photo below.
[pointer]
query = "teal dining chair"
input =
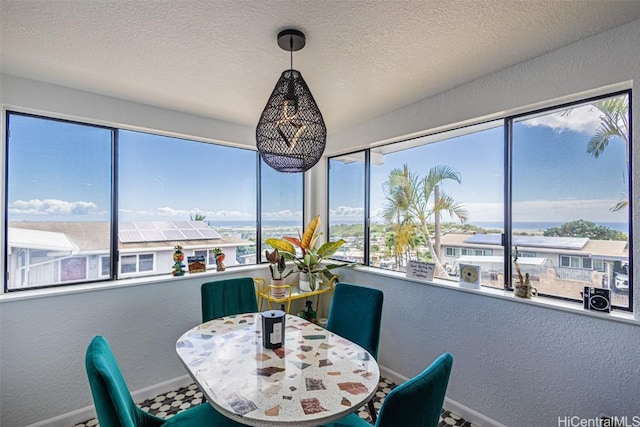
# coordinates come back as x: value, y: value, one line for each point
x: 356, y: 314
x: 226, y: 297
x: 416, y: 402
x: 115, y: 406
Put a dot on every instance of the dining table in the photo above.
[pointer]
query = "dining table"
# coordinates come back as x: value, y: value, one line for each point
x: 315, y: 377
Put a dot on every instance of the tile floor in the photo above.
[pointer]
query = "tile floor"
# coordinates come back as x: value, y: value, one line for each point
x: 183, y: 398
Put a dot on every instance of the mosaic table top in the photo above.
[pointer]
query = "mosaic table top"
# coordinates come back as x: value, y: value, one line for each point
x: 315, y: 377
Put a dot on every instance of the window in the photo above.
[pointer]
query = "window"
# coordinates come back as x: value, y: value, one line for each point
x: 201, y: 198
x: 105, y: 266
x: 58, y: 201
x: 560, y: 177
x: 431, y: 196
x: 128, y: 264
x: 138, y: 263
x: 73, y: 269
x: 347, y: 212
x: 570, y: 178
x: 282, y: 202
x: 575, y: 262
x: 145, y: 262
x: 525, y: 254
x: 208, y: 257
x: 598, y: 264
x: 62, y: 224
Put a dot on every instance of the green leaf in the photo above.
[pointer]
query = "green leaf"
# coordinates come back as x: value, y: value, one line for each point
x: 281, y: 245
x: 329, y: 248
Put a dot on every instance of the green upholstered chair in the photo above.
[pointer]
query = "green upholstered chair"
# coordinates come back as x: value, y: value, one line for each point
x: 229, y: 296
x: 356, y: 314
x: 416, y: 402
x: 115, y: 406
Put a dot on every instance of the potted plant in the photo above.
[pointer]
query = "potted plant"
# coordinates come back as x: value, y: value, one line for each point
x: 277, y: 278
x: 310, y: 262
x: 523, y: 288
x: 219, y: 255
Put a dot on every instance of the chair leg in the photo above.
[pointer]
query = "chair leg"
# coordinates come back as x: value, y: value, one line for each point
x: 372, y: 411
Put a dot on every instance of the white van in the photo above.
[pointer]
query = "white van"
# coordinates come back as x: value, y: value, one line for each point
x: 621, y: 282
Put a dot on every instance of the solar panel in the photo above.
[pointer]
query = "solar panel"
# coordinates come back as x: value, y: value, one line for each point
x: 531, y: 241
x: 210, y: 233
x: 192, y: 234
x: 173, y: 235
x: 145, y: 225
x: 159, y: 231
x: 126, y: 225
x: 152, y: 235
x: 163, y: 225
x: 485, y: 239
x: 551, y: 242
x: 127, y: 236
x: 182, y: 224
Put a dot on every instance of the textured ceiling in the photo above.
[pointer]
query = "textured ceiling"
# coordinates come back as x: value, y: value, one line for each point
x: 220, y: 58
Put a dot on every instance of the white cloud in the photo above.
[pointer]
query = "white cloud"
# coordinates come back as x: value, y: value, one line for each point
x: 283, y: 214
x: 232, y: 215
x: 188, y: 213
x: 584, y: 119
x: 347, y: 212
x: 172, y: 213
x: 53, y: 207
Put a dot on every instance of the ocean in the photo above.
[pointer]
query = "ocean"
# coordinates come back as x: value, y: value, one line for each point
x: 619, y: 226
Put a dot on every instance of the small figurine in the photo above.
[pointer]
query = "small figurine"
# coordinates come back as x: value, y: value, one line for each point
x: 178, y: 257
x: 217, y: 252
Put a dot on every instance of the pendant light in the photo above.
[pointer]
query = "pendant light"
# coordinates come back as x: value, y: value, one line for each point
x: 291, y: 135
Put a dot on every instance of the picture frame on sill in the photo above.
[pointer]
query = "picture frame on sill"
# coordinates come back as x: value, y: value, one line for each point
x: 420, y: 270
x: 470, y: 276
x: 196, y: 264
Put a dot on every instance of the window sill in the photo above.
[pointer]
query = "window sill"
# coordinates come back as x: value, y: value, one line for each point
x: 119, y: 284
x: 548, y: 303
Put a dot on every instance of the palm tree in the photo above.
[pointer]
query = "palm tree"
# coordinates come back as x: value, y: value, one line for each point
x: 614, y: 122
x: 411, y: 202
x: 197, y: 217
x: 428, y: 200
x: 397, y: 191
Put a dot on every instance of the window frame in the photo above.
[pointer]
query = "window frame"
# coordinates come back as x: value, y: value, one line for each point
x: 114, y: 253
x: 8, y: 113
x: 507, y: 245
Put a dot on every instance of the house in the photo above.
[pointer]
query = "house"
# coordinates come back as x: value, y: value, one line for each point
x: 53, y: 253
x: 566, y: 263
x: 516, y: 362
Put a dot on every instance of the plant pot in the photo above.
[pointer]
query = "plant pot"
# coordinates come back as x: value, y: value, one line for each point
x: 220, y: 262
x: 308, y: 282
x: 278, y: 292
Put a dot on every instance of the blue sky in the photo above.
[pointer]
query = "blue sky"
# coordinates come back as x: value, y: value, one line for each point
x: 554, y: 179
x: 63, y: 171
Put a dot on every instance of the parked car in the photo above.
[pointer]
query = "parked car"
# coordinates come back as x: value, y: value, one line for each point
x: 621, y: 281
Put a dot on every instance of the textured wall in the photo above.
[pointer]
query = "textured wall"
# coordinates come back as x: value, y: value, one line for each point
x: 518, y: 363
x: 44, y: 340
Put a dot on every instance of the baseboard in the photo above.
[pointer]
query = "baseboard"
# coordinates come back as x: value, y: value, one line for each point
x: 451, y: 405
x: 392, y: 375
x: 79, y: 415
x: 469, y: 414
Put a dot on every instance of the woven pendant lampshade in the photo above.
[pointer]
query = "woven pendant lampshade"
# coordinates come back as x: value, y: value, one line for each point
x: 291, y: 135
